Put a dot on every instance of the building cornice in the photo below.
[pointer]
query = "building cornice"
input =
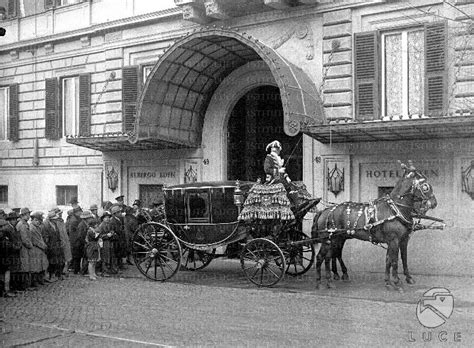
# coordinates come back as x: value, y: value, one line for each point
x: 95, y: 29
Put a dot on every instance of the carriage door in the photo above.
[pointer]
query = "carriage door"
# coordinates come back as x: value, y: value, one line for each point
x: 255, y: 121
x: 149, y: 194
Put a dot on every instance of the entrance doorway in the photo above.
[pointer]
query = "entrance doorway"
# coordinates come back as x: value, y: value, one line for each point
x: 149, y: 194
x: 255, y: 121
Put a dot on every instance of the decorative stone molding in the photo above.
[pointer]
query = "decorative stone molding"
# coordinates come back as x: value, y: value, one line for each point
x: 215, y: 10
x: 49, y: 48
x: 14, y: 54
x: 85, y: 41
x: 302, y: 31
x: 194, y: 14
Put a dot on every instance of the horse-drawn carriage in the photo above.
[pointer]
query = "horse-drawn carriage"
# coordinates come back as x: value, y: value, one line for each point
x: 204, y: 221
x: 202, y: 218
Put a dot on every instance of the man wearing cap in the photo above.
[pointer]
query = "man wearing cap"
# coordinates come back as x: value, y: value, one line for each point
x: 77, y: 246
x: 116, y: 225
x: 73, y: 202
x: 24, y: 230
x: 52, y: 238
x: 94, y: 208
x: 65, y: 242
x: 38, y: 260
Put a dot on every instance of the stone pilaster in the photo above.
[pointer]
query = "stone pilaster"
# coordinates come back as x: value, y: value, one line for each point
x: 337, y: 65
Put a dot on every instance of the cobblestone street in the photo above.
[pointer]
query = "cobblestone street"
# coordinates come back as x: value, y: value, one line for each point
x: 218, y: 307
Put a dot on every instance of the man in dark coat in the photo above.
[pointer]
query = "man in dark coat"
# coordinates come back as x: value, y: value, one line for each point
x: 116, y: 225
x: 9, y: 253
x: 77, y: 245
x: 52, y: 238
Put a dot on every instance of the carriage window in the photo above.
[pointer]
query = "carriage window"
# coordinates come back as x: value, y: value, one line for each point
x: 198, y: 205
x: 223, y: 207
x: 174, y: 206
x: 385, y: 190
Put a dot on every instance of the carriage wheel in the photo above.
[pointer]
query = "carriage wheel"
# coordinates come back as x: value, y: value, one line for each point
x: 156, y: 251
x: 194, y: 260
x: 263, y: 262
x: 299, y: 258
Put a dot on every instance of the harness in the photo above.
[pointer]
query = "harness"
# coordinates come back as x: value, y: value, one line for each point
x: 371, y: 214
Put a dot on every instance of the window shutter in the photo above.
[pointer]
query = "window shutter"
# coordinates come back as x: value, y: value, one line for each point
x: 129, y: 96
x: 14, y: 119
x: 12, y: 6
x: 435, y: 69
x: 84, y: 105
x: 367, y: 67
x: 53, y: 122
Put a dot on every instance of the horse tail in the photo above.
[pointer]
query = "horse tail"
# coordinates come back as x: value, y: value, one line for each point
x: 314, y: 228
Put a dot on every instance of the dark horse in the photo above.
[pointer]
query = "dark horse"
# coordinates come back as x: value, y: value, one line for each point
x: 386, y: 220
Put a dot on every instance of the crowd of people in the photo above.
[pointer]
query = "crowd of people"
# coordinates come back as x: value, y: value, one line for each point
x: 38, y: 248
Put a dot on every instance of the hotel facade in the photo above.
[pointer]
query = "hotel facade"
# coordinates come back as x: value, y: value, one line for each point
x: 103, y: 98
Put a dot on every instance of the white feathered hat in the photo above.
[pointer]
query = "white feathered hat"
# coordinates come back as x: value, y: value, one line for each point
x: 274, y: 143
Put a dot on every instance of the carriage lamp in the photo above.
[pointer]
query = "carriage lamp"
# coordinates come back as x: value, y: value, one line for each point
x: 238, y: 195
x: 468, y: 180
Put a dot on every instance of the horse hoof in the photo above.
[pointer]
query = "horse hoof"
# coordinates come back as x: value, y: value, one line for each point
x: 331, y: 286
x: 389, y: 287
x: 336, y: 276
x: 318, y: 286
x: 345, y: 277
x: 410, y: 280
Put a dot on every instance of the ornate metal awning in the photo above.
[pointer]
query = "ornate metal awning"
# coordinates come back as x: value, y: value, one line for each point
x: 410, y: 129
x: 118, y: 142
x: 176, y: 95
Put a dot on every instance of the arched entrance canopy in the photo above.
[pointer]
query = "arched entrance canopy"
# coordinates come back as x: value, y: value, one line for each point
x: 174, y: 100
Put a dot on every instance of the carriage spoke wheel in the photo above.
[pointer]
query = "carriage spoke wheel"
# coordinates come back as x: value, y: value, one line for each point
x: 156, y: 251
x: 263, y: 262
x: 194, y: 260
x: 299, y: 258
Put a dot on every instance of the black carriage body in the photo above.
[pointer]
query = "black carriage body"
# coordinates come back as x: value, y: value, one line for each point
x: 203, y: 215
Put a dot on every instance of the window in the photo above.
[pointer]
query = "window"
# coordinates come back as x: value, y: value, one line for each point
x: 403, y: 69
x: 3, y: 194
x: 146, y: 70
x: 56, y: 3
x: 64, y: 194
x: 4, y: 111
x: 401, y: 73
x: 70, y: 105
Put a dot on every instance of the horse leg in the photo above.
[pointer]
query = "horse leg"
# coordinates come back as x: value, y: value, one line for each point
x: 334, y: 259
x: 388, y: 284
x: 319, y: 260
x: 345, y: 276
x: 327, y: 261
x: 392, y: 259
x: 404, y: 255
